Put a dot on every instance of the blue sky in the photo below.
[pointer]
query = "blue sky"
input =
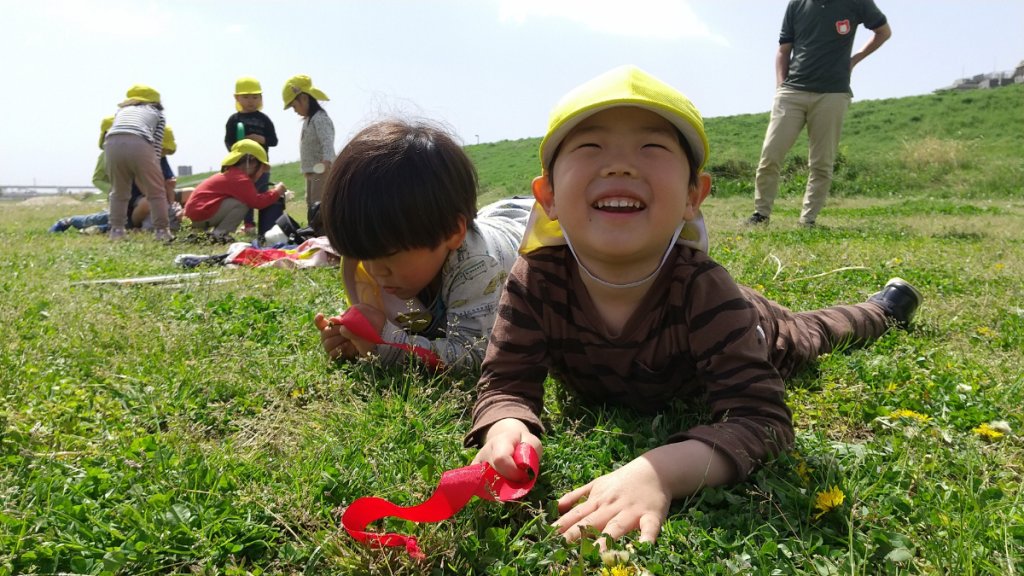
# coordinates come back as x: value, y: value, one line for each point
x: 489, y: 69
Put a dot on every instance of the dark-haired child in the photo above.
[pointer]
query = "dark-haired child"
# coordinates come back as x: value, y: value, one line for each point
x: 316, y: 144
x: 617, y: 298
x: 421, y: 264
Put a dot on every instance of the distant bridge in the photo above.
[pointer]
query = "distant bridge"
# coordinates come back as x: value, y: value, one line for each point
x: 31, y: 191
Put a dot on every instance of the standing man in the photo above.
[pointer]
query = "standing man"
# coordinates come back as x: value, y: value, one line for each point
x: 812, y: 78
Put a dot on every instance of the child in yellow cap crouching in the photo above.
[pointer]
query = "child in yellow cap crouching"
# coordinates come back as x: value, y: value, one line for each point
x: 616, y: 296
x: 220, y: 202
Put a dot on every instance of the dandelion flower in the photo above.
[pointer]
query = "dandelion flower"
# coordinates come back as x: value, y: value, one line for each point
x: 827, y: 501
x: 903, y: 414
x: 614, y: 557
x: 988, y: 432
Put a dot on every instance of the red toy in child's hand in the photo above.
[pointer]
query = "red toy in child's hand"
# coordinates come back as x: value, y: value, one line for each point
x: 354, y: 320
x: 456, y: 489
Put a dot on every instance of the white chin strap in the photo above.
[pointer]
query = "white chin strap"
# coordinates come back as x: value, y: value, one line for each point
x: 635, y: 283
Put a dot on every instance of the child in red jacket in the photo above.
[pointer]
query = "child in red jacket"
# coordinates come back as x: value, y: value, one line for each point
x: 221, y: 201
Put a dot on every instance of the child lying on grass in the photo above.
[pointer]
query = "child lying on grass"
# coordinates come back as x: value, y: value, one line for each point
x: 418, y: 261
x: 617, y: 298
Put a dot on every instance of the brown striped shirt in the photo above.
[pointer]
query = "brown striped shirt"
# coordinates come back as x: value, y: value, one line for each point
x: 696, y: 335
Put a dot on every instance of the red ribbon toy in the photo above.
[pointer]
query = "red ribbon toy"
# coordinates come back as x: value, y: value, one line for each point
x: 456, y: 489
x: 354, y: 320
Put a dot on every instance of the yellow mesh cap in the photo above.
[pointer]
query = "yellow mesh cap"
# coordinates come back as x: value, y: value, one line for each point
x: 104, y: 126
x: 243, y: 147
x: 142, y: 93
x: 170, y: 146
x: 625, y: 86
x: 297, y: 85
x: 248, y: 85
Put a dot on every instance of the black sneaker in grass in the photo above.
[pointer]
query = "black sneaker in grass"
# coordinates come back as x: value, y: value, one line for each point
x: 757, y: 219
x: 899, y: 300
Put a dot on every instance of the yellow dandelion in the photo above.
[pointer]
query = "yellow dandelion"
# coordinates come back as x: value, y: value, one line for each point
x: 903, y: 414
x: 804, y: 472
x: 988, y: 432
x: 297, y: 392
x: 983, y: 331
x: 999, y: 266
x: 827, y: 501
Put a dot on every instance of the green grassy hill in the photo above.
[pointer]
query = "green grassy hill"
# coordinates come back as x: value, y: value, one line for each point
x: 951, y: 144
x: 890, y: 147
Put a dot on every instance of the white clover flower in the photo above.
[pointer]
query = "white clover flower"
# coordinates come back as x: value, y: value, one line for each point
x: 1001, y: 426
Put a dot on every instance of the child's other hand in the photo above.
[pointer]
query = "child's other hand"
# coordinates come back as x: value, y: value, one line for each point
x: 256, y: 138
x: 619, y: 502
x: 336, y: 346
x: 502, y: 438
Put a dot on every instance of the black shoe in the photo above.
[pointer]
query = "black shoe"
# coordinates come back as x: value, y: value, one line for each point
x: 807, y: 225
x: 756, y: 219
x: 899, y: 300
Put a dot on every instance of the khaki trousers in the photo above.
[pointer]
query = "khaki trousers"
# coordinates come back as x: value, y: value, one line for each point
x: 226, y: 220
x: 132, y: 158
x: 823, y: 115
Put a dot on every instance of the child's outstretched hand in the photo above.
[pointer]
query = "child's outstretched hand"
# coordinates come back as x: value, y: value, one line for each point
x: 502, y: 438
x: 629, y: 498
x: 638, y: 495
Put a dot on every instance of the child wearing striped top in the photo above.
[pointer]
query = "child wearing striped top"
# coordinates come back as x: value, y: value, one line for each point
x: 616, y: 297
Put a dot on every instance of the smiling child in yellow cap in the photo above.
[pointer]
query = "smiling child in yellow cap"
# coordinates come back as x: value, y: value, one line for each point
x: 219, y: 203
x: 616, y: 296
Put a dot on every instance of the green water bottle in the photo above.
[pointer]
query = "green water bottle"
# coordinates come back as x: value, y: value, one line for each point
x: 239, y: 131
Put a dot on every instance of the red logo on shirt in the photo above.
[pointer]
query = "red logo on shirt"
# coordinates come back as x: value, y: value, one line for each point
x: 843, y: 27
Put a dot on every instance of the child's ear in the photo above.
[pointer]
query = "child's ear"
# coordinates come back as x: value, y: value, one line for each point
x: 696, y: 195
x: 455, y: 240
x: 545, y: 195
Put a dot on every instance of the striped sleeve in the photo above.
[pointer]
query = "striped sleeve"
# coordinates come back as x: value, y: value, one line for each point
x: 750, y: 421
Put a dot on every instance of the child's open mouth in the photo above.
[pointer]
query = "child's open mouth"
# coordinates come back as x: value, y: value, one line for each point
x: 621, y: 205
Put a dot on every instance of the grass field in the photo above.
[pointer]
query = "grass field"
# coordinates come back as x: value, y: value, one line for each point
x: 200, y: 429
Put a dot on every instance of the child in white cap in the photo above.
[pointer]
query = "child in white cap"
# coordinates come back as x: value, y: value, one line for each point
x: 616, y: 297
